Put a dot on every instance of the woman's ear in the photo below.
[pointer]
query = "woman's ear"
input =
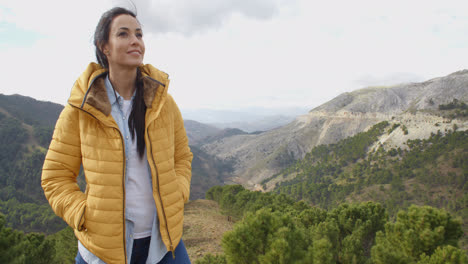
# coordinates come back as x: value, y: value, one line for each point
x: 104, y: 49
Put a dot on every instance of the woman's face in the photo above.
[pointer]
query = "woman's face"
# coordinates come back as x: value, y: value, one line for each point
x: 125, y: 47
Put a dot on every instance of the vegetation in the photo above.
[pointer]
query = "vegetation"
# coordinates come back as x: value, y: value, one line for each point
x: 16, y: 247
x: 433, y: 171
x: 22, y: 199
x: 318, y: 173
x: 286, y: 229
x: 275, y: 229
x: 416, y: 235
x: 455, y: 109
x: 66, y: 246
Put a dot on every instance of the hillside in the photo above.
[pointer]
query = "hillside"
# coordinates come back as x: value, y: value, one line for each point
x: 29, y: 110
x: 432, y: 171
x: 196, y: 131
x: 415, y: 106
x: 207, y: 171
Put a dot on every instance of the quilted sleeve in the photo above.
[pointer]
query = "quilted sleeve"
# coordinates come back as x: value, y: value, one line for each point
x: 182, y: 154
x: 61, y: 168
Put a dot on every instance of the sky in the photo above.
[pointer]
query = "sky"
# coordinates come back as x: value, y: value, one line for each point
x: 236, y: 54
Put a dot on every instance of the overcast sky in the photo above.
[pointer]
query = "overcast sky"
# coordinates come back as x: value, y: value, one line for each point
x: 233, y: 54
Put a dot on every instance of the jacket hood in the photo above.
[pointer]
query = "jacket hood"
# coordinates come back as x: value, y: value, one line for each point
x: 89, y: 91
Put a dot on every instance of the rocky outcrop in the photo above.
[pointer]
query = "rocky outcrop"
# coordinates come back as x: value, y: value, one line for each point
x: 402, y: 98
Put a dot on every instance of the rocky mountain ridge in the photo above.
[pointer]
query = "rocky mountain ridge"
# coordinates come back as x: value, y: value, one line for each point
x: 402, y: 98
x: 414, y: 105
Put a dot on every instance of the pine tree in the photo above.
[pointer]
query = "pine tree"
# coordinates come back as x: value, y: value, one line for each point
x: 418, y: 231
x: 445, y: 255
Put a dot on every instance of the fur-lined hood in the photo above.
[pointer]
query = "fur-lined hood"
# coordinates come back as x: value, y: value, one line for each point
x: 89, y: 91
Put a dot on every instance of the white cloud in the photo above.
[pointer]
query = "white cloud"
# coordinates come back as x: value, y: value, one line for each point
x: 195, y: 16
x: 227, y: 54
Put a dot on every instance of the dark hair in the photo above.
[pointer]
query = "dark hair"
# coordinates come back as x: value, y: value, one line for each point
x: 101, y: 34
x: 136, y: 121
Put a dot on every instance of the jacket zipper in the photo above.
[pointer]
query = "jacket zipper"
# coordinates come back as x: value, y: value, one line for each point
x: 123, y: 201
x: 171, y: 247
x: 123, y: 182
x: 82, y: 215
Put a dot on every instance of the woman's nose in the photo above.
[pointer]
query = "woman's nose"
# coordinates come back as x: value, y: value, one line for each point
x: 134, y: 40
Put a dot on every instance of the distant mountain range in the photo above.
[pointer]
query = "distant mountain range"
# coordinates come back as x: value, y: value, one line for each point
x: 248, y: 119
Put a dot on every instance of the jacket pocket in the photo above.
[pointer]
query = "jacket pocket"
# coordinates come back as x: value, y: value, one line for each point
x: 81, y: 222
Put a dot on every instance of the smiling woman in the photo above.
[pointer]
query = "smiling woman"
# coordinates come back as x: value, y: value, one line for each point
x: 127, y: 132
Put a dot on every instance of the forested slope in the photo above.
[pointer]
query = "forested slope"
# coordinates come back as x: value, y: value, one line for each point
x: 432, y: 171
x: 22, y: 199
x: 356, y: 202
x: 274, y: 228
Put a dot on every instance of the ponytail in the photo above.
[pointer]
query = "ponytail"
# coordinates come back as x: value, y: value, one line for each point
x: 136, y: 121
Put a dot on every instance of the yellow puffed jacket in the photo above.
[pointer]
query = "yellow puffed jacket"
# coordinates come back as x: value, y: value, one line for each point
x: 87, y: 134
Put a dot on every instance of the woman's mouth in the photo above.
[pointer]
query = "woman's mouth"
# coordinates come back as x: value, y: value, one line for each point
x: 134, y: 52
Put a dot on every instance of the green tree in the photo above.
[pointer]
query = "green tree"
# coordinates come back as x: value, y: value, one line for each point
x: 10, y: 243
x: 418, y: 231
x: 321, y: 252
x: 15, y: 247
x: 445, y: 255
x: 38, y: 250
x: 264, y: 237
x: 66, y: 246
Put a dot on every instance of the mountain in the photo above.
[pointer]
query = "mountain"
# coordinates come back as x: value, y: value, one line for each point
x: 249, y: 119
x: 260, y: 124
x: 405, y: 98
x: 29, y: 110
x: 414, y: 106
x: 197, y: 131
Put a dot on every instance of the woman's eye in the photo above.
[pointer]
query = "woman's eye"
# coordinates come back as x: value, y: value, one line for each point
x: 122, y: 34
x: 139, y: 35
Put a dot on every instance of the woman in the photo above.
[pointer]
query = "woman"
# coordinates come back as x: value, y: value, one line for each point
x: 126, y: 131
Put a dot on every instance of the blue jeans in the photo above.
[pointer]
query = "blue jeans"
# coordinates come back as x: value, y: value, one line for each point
x: 140, y: 253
